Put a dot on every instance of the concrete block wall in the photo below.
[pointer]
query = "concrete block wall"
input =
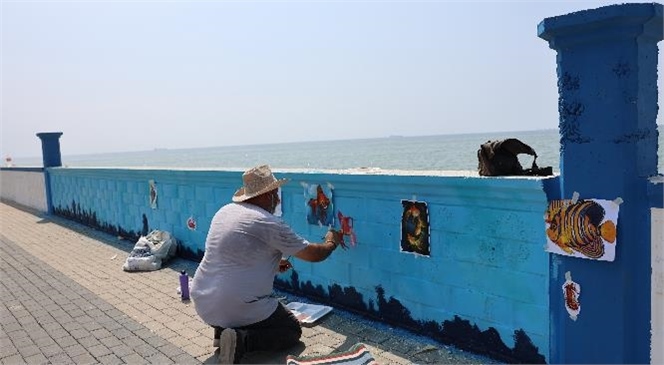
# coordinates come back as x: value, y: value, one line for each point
x: 24, y: 186
x: 484, y: 287
x: 118, y: 201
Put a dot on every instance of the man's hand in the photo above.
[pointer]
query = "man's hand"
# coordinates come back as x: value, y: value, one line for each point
x: 284, y: 265
x: 336, y: 237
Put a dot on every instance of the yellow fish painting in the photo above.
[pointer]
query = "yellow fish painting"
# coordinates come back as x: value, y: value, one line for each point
x: 579, y: 227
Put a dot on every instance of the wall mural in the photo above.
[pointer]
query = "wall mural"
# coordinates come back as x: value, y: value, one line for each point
x: 454, y: 331
x: 153, y: 194
x: 415, y: 228
x: 583, y: 228
x: 319, y: 206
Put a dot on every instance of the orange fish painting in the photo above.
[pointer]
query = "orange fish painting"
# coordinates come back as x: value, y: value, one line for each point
x: 320, y: 209
x: 585, y: 228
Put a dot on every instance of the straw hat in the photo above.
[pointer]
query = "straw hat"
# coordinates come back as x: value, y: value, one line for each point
x: 256, y: 181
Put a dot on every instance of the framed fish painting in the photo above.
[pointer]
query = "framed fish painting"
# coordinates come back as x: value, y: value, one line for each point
x: 319, y: 205
x: 585, y: 228
x: 415, y: 228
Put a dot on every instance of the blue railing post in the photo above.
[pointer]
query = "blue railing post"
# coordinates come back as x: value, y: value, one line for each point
x: 51, y: 148
x: 607, y: 85
x: 51, y: 158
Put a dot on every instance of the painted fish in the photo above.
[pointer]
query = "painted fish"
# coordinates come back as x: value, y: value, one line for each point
x: 319, y: 206
x: 578, y: 227
x: 413, y: 226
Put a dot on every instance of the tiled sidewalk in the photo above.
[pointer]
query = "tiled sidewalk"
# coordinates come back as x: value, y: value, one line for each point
x: 66, y: 299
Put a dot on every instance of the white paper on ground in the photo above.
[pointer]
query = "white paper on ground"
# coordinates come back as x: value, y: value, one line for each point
x: 308, y: 313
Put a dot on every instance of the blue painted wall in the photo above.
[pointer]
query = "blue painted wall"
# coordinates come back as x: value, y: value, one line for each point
x: 487, y: 265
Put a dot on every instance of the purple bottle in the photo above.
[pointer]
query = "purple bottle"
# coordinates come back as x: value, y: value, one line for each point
x: 184, y: 285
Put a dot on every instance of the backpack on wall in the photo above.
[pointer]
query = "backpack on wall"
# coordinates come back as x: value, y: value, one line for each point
x: 500, y: 158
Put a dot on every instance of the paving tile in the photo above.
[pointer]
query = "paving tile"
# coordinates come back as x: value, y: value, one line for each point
x: 65, y: 341
x: 98, y: 350
x: 159, y: 358
x: 28, y: 350
x: 110, y: 359
x: 101, y: 333
x: 60, y: 359
x: 14, y: 360
x: 134, y: 359
x: 84, y: 359
x: 51, y: 350
x: 36, y: 359
x: 121, y: 350
x: 145, y: 349
x: 75, y: 350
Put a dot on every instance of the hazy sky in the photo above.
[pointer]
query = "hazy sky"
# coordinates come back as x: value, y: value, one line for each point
x: 124, y: 76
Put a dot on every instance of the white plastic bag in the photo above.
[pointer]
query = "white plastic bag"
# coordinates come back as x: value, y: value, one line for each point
x: 151, y: 251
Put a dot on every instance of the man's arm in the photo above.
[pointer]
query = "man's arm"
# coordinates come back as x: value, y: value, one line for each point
x: 316, y: 252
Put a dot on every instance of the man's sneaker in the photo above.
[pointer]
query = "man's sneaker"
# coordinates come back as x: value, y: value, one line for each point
x: 231, y: 347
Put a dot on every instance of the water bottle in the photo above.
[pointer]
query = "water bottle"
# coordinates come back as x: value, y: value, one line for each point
x: 184, y: 285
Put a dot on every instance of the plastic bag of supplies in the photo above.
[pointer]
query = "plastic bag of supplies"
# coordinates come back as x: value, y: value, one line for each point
x: 151, y: 251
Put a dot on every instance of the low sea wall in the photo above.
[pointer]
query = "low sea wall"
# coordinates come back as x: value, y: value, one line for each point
x: 25, y: 186
x: 483, y: 286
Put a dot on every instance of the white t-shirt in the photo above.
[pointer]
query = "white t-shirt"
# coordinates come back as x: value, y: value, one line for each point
x: 233, y: 284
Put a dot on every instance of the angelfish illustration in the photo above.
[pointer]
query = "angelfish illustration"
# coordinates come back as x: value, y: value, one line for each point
x: 578, y: 227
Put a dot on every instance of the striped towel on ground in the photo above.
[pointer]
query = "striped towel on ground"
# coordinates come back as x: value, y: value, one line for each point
x: 356, y: 355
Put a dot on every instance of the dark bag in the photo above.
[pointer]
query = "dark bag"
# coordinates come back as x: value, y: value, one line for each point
x: 499, y: 158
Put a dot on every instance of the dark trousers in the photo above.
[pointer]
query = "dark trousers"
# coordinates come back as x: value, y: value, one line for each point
x: 279, y: 331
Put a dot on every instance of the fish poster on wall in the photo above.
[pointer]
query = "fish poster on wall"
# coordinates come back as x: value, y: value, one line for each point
x: 584, y: 228
x: 319, y: 206
x: 415, y: 228
x: 153, y: 194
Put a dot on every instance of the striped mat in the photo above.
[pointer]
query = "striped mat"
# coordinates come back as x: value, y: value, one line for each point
x: 356, y: 355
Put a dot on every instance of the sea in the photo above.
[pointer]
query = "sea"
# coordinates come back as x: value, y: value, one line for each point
x: 410, y: 153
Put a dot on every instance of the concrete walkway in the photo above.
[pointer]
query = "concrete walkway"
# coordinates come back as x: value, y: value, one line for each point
x: 66, y: 300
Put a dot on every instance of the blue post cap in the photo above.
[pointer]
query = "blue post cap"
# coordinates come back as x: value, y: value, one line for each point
x: 600, y: 24
x: 51, y: 148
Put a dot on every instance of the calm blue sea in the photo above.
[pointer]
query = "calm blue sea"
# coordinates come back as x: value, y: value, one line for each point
x: 442, y: 152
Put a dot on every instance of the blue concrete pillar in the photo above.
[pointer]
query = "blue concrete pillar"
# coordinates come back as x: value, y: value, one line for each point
x: 607, y: 85
x: 51, y: 158
x: 51, y: 149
